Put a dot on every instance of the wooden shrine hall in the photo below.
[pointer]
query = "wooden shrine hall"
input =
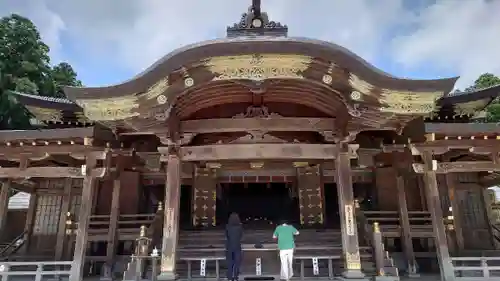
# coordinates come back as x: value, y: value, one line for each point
x: 269, y: 126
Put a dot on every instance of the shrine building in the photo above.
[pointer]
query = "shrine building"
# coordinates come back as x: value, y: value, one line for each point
x: 383, y: 176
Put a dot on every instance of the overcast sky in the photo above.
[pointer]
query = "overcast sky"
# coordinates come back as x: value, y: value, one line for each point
x: 108, y: 41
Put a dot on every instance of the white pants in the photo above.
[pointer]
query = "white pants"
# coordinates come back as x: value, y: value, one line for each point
x: 286, y: 257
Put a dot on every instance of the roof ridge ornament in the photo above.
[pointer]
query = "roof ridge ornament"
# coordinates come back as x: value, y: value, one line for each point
x: 256, y: 23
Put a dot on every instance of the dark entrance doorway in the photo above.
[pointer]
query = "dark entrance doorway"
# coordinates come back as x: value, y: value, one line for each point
x: 332, y: 218
x: 156, y: 193
x: 260, y: 205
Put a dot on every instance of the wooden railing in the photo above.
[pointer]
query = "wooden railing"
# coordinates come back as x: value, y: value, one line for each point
x: 495, y: 232
x: 370, y: 232
x: 38, y: 269
x: 476, y: 268
x: 13, y: 246
x: 124, y: 221
x: 420, y: 223
x: 392, y: 217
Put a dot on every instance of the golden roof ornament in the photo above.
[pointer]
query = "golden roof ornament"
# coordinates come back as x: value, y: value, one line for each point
x: 256, y: 23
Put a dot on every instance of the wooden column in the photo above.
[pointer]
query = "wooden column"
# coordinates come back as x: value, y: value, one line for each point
x: 350, y: 241
x: 171, y: 219
x: 457, y: 218
x: 65, y: 207
x: 4, y: 205
x: 89, y: 183
x: 406, y: 227
x: 30, y: 218
x: 434, y: 207
x: 113, y: 220
x: 310, y: 189
x: 204, y: 197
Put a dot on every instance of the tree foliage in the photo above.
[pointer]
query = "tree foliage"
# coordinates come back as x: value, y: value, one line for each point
x: 25, y: 67
x: 484, y: 81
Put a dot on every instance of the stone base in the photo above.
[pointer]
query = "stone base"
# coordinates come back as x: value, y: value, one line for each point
x: 166, y: 276
x: 352, y: 279
x: 386, y: 278
x: 353, y: 275
x: 413, y: 275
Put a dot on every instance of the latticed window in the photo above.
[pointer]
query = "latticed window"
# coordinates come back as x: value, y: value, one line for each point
x: 48, y: 211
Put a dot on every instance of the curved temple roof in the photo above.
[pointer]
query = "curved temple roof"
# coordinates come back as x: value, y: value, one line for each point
x: 310, y: 72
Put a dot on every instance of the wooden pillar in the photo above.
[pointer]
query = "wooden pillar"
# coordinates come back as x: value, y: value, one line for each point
x: 113, y: 220
x: 89, y: 183
x: 406, y: 227
x: 486, y: 202
x: 171, y: 216
x: 350, y: 241
x: 310, y: 191
x: 30, y: 218
x: 4, y: 205
x: 434, y: 207
x: 204, y: 197
x: 457, y: 218
x: 65, y: 207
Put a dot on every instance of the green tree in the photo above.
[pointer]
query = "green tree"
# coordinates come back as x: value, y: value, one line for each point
x: 64, y: 75
x: 487, y: 80
x: 25, y: 67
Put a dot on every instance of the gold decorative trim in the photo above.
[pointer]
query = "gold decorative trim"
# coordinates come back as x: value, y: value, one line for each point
x: 360, y: 85
x: 157, y: 89
x: 470, y: 108
x: 353, y: 261
x: 109, y: 109
x: 405, y: 102
x: 45, y: 114
x: 258, y: 67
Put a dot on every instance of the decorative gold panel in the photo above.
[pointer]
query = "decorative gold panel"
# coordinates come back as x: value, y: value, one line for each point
x: 470, y: 108
x: 258, y: 67
x: 157, y: 89
x: 360, y: 85
x: 45, y: 114
x: 109, y: 109
x: 402, y: 102
x: 353, y: 261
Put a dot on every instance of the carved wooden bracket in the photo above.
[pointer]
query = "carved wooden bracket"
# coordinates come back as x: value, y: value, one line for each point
x: 457, y: 167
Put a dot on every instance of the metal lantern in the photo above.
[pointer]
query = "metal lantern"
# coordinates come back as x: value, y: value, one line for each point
x: 70, y: 227
x: 142, y: 243
x: 449, y: 221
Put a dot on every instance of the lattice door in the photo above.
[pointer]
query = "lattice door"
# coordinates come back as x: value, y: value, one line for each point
x: 204, y: 197
x: 473, y: 213
x: 310, y: 195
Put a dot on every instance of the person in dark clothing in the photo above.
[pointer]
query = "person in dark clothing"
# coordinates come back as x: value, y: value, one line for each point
x: 234, y: 233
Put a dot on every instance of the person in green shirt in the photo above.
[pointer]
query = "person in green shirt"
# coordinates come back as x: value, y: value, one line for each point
x: 285, y: 234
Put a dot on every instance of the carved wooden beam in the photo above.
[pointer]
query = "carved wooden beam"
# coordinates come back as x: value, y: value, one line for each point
x: 439, y: 147
x: 49, y: 172
x: 461, y: 166
x: 460, y: 129
x: 260, y: 151
x: 276, y: 124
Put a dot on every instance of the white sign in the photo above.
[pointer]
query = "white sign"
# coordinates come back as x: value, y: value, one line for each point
x: 258, y: 267
x: 203, y: 265
x: 315, y: 266
x: 349, y: 220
